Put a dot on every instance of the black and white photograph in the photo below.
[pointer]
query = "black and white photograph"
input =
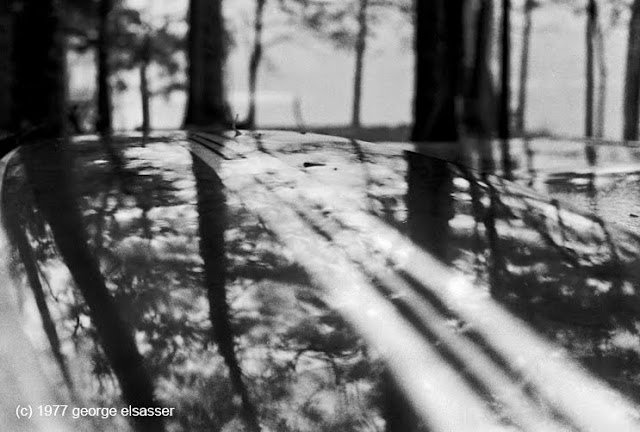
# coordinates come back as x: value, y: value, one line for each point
x: 320, y: 215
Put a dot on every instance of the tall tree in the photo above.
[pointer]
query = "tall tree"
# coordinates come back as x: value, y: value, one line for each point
x: 521, y: 110
x: 334, y: 21
x: 348, y: 25
x: 48, y: 169
x: 132, y: 44
x: 632, y: 77
x: 137, y: 45
x: 206, y: 104
x: 592, y: 24
x: 254, y: 61
x: 145, y: 59
x: 504, y: 119
x: 603, y: 24
x: 601, y: 61
x: 480, y: 99
x: 438, y: 47
x: 38, y: 96
x: 104, y: 121
x: 504, y: 111
x: 261, y: 43
x: 360, y: 49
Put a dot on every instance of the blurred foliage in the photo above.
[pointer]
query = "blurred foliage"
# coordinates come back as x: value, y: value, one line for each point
x: 133, y: 38
x: 338, y: 21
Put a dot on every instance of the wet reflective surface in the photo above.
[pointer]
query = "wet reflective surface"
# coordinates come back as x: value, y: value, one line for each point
x: 166, y: 272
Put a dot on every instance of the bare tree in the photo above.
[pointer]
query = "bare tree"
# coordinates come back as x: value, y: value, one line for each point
x: 632, y: 77
x: 206, y: 105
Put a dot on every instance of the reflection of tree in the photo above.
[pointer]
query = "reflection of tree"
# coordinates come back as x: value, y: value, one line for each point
x: 145, y: 220
x: 28, y: 259
x: 212, y: 224
x: 497, y: 263
x: 357, y: 148
x: 303, y: 363
x: 487, y: 217
x: 529, y: 155
x: 48, y: 171
x: 429, y: 203
x: 507, y: 162
x: 564, y: 273
x: 429, y: 208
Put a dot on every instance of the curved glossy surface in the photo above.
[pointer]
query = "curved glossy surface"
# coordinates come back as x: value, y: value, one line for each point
x: 168, y: 272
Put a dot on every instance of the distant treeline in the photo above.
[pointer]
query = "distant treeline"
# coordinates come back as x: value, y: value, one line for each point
x: 455, y: 94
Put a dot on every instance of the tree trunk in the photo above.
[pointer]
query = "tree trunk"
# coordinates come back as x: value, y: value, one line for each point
x: 144, y: 84
x: 5, y: 66
x: 104, y: 122
x: 632, y: 77
x: 48, y: 171
x: 206, y: 105
x: 144, y: 96
x: 212, y: 224
x: 504, y: 119
x: 254, y: 62
x: 602, y: 82
x: 592, y: 22
x: 479, y: 109
x: 439, y: 47
x: 361, y: 48
x: 524, y: 68
x: 39, y: 95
